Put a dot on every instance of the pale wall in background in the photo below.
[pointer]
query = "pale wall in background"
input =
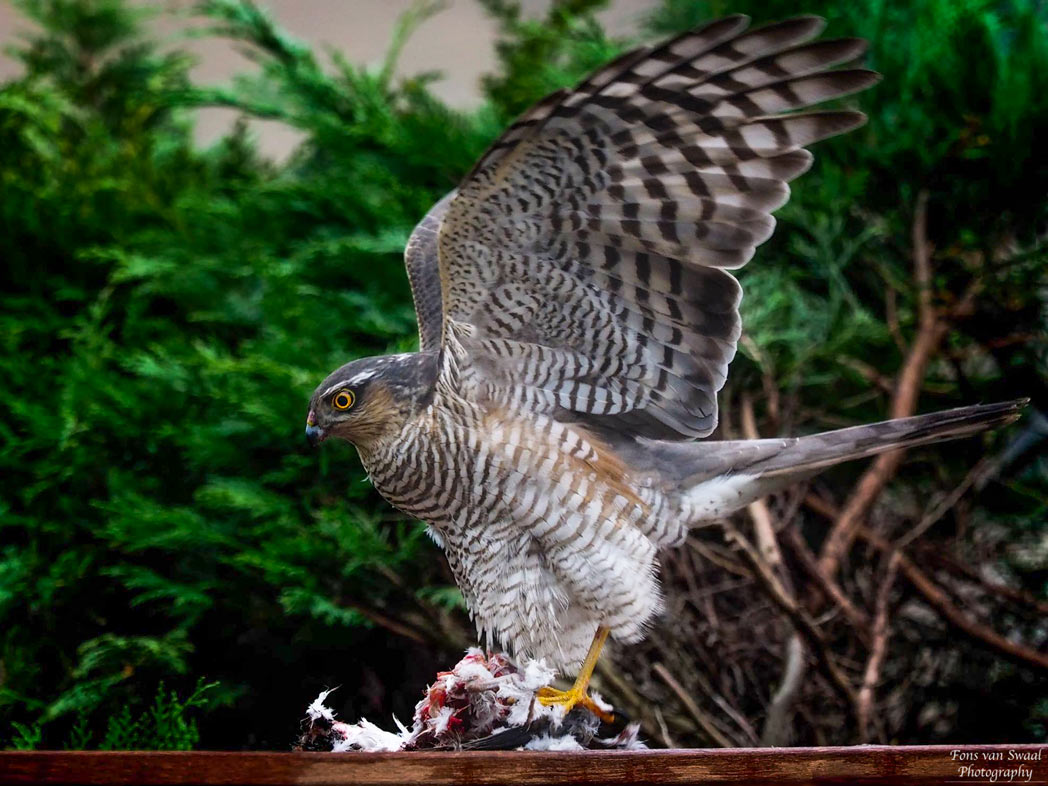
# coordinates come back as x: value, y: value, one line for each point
x: 459, y: 42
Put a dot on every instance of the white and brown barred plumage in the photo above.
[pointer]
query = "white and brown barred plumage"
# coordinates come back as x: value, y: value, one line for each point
x: 576, y: 322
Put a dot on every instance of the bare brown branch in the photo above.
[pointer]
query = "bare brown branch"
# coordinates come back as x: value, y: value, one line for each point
x: 777, y: 725
x: 393, y: 626
x: 891, y: 315
x: 1011, y: 594
x: 856, y: 616
x: 941, y: 602
x: 701, y: 718
x: 776, y: 729
x: 802, y: 622
x: 763, y: 525
x: 878, y: 650
x: 930, y: 332
x: 667, y: 740
x: 932, y: 517
x: 869, y: 373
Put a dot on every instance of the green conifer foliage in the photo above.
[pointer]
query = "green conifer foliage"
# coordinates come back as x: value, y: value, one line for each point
x: 166, y: 311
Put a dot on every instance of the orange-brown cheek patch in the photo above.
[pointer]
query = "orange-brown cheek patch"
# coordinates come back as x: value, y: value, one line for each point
x: 373, y: 418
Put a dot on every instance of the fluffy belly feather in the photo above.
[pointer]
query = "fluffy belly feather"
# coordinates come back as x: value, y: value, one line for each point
x: 544, y: 530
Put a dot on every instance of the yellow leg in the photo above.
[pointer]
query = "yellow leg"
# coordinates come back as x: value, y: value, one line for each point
x: 577, y: 695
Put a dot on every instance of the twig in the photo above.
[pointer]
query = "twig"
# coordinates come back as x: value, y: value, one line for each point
x: 930, y: 332
x: 1016, y: 596
x: 891, y: 315
x: 856, y: 616
x: 768, y: 384
x: 776, y: 726
x: 704, y: 551
x: 951, y: 499
x: 922, y: 260
x: 667, y: 740
x: 708, y: 605
x: 879, y: 649
x: 704, y: 721
x: 798, y: 616
x: 823, y: 507
x: 776, y: 723
x: 869, y: 373
x: 390, y: 624
x: 640, y: 707
x: 729, y: 710
x: 758, y: 509
x: 941, y: 603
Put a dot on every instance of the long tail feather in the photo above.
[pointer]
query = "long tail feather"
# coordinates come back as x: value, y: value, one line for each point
x: 685, y: 465
x: 716, y: 478
x: 815, y: 452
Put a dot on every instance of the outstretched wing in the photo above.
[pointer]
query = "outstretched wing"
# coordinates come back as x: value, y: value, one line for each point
x: 583, y: 260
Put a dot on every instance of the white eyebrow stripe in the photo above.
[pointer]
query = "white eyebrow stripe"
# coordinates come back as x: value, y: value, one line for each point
x: 363, y: 376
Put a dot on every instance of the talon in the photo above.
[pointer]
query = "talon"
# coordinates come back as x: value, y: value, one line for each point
x: 569, y: 699
x: 549, y: 696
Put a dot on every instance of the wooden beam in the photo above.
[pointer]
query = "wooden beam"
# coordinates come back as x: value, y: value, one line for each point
x: 873, y: 764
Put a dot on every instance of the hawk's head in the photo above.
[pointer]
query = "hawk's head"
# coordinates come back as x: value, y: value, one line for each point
x: 369, y: 399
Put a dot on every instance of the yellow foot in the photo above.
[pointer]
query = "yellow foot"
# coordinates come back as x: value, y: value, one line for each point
x: 569, y: 699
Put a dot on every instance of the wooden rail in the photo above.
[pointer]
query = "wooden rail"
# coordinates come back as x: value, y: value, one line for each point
x: 872, y: 764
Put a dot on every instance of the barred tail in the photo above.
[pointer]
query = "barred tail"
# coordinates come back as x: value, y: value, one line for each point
x: 716, y: 478
x: 809, y: 454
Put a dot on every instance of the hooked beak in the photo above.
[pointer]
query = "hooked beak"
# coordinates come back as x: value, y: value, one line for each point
x: 314, y: 433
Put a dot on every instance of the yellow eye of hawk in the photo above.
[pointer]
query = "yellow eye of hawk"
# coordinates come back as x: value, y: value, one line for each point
x: 343, y: 399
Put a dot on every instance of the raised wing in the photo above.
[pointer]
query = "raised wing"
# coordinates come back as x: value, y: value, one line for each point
x: 582, y: 261
x: 420, y: 259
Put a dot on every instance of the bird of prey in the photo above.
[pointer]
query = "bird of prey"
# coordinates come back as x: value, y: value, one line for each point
x: 576, y: 320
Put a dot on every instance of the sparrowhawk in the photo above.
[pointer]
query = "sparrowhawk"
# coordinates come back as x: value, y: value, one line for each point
x: 576, y: 320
